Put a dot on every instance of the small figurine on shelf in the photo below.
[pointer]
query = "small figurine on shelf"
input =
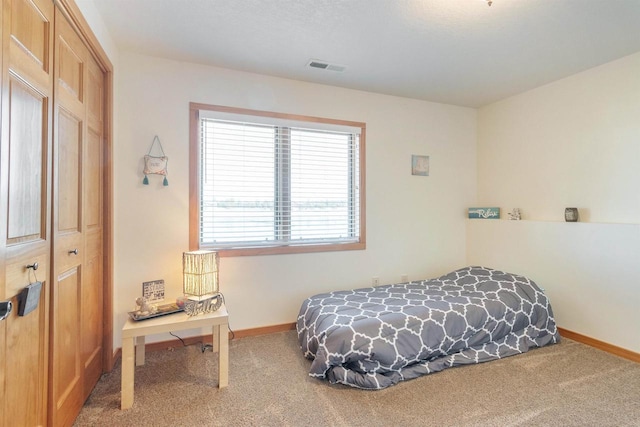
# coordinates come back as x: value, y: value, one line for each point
x: 571, y: 214
x: 515, y: 214
x: 143, y: 308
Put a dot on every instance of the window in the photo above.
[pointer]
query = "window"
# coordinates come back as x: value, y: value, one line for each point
x: 265, y: 183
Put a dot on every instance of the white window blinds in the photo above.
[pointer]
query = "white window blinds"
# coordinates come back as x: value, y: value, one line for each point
x: 272, y: 182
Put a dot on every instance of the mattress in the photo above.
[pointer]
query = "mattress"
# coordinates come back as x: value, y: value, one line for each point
x: 375, y: 337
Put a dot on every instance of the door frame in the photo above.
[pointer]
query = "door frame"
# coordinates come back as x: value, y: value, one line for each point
x: 71, y: 11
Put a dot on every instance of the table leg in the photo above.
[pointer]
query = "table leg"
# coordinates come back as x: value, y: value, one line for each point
x: 128, y: 370
x: 223, y: 355
x: 140, y: 350
x: 216, y: 336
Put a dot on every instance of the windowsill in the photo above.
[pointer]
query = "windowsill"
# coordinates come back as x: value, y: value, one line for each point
x: 292, y: 249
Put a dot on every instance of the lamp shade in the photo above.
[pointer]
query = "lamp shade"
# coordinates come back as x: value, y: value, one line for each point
x: 200, y: 273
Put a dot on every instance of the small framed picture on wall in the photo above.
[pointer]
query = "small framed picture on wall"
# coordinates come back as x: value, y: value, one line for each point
x: 419, y: 165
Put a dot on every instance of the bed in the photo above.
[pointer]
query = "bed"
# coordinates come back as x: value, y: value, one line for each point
x: 375, y: 337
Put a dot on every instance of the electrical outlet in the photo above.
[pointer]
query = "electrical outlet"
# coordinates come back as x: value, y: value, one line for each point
x: 404, y: 278
x: 375, y: 281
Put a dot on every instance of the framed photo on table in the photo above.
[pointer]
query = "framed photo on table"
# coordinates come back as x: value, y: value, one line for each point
x: 153, y: 291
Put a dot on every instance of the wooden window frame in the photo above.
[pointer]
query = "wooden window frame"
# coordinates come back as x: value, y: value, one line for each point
x: 194, y: 193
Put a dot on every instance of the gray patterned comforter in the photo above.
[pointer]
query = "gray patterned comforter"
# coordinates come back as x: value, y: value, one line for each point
x: 373, y: 338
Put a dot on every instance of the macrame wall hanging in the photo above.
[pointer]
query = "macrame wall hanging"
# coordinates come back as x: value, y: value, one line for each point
x: 155, y: 164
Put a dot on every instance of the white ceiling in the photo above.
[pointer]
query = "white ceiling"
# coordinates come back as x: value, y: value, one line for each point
x: 460, y: 52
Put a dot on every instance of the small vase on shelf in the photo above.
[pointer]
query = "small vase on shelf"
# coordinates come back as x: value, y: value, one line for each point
x: 571, y: 214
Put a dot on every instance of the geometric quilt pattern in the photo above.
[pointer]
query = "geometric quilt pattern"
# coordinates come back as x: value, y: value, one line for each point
x: 374, y: 337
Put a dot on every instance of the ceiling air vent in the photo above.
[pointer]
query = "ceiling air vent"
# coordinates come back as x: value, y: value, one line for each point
x: 324, y: 65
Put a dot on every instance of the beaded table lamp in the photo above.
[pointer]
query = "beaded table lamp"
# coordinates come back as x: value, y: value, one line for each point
x: 200, y: 282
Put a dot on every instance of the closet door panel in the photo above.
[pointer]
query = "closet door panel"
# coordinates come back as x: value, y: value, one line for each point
x: 93, y: 196
x: 92, y: 291
x: 77, y: 228
x: 92, y: 314
x: 68, y: 267
x: 25, y: 197
x: 31, y: 31
x: 66, y: 375
x: 25, y: 150
x: 95, y: 94
x: 69, y: 173
x: 51, y: 211
x: 28, y: 142
x: 93, y: 180
x: 27, y: 406
x: 70, y: 64
x: 30, y: 50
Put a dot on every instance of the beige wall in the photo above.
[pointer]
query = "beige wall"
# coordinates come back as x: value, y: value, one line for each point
x: 571, y: 143
x: 589, y: 271
x: 415, y: 225
x: 575, y: 142
x: 93, y: 18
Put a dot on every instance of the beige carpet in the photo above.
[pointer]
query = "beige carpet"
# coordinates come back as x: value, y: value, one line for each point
x: 567, y: 384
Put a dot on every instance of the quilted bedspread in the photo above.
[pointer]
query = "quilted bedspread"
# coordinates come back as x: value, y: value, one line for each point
x: 374, y: 337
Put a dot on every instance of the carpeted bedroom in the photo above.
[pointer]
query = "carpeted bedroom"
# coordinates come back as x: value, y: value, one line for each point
x: 379, y: 356
x: 319, y: 213
x: 565, y: 384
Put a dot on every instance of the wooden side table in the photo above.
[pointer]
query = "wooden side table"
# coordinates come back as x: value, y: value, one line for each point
x: 137, y: 330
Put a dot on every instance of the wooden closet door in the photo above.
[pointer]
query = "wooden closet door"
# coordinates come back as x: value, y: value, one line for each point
x: 25, y: 178
x: 93, y: 195
x: 77, y: 289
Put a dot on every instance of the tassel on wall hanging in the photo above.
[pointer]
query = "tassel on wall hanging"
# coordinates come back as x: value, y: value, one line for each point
x: 155, y: 164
